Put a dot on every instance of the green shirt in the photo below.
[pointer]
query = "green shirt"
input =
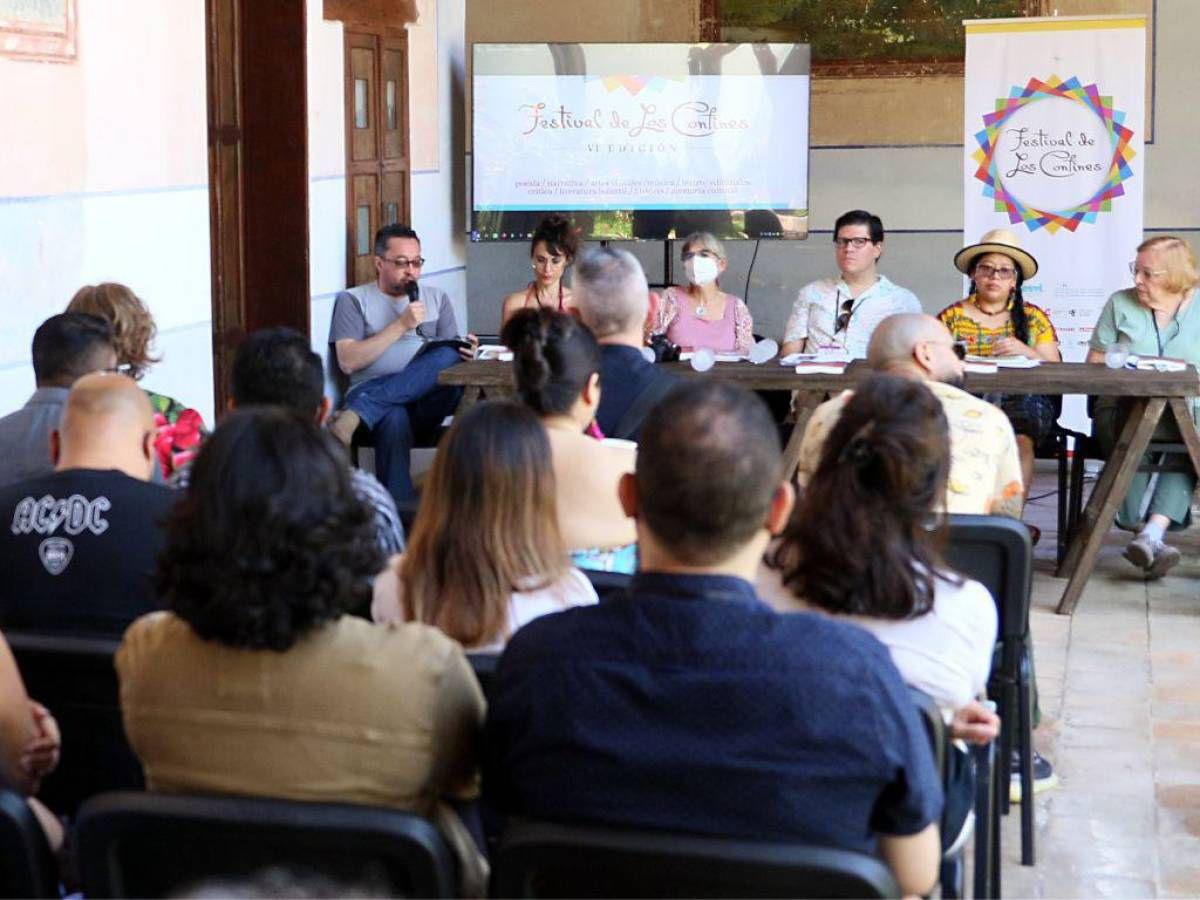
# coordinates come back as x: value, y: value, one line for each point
x: 1125, y: 319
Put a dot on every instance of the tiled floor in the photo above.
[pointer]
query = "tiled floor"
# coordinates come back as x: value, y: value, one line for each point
x: 1120, y: 698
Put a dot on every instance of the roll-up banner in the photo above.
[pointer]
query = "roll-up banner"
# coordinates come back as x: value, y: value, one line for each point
x: 1052, y: 150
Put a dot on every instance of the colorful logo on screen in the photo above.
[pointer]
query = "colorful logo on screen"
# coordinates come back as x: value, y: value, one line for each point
x: 633, y: 84
x: 1054, y: 154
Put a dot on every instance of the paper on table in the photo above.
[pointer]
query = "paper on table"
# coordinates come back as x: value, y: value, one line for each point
x: 495, y: 352
x: 793, y: 358
x: 717, y: 357
x: 821, y: 367
x: 1157, y: 364
x: 980, y: 366
x: 1016, y: 362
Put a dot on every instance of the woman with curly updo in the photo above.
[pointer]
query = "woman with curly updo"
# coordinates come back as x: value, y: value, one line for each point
x: 556, y: 361
x: 180, y: 428
x: 257, y: 681
x: 552, y: 249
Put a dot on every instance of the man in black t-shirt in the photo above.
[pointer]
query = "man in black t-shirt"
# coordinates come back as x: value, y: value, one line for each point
x: 81, y: 545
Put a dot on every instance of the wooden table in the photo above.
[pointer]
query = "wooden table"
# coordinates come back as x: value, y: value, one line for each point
x: 1152, y: 393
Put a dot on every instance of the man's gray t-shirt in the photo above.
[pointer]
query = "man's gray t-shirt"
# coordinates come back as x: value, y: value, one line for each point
x: 25, y: 436
x: 365, y: 310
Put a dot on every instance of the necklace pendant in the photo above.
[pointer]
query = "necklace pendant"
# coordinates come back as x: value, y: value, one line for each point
x: 701, y: 311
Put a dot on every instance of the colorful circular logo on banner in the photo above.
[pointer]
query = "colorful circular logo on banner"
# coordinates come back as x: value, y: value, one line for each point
x: 1053, y: 154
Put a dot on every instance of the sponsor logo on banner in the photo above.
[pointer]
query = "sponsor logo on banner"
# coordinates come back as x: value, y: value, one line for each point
x: 1053, y: 154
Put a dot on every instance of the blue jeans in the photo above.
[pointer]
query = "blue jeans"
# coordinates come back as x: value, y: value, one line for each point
x: 401, y: 408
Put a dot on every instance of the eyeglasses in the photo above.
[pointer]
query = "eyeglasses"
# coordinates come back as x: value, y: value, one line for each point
x: 1004, y: 273
x: 856, y: 242
x: 122, y: 369
x: 692, y: 254
x: 843, y: 321
x: 1145, y: 272
x: 552, y: 262
x: 403, y: 262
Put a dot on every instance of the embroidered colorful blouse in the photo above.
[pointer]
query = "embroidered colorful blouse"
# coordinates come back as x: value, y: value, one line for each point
x: 980, y: 338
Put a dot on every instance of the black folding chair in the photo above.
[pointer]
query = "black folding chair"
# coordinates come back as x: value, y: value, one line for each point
x: 995, y: 551
x: 27, y: 867
x: 75, y: 679
x: 153, y: 845
x: 540, y: 859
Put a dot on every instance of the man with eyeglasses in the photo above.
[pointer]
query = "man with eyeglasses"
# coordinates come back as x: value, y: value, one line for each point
x: 835, y: 316
x: 65, y: 348
x: 379, y: 334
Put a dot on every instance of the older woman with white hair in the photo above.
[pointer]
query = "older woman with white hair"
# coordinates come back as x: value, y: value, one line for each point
x: 1156, y: 317
x: 701, y: 314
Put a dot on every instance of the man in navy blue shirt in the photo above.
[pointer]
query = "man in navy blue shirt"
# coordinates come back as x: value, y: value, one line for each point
x: 609, y: 290
x: 687, y: 704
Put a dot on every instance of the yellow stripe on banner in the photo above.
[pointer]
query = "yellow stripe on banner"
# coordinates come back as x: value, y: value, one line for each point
x: 1065, y: 24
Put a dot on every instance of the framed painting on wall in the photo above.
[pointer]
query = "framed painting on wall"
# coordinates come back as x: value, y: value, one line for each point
x: 38, y: 29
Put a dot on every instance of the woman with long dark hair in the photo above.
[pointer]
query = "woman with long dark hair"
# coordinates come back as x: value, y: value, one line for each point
x: 485, y: 555
x: 556, y: 361
x: 995, y: 320
x: 863, y: 543
x: 257, y: 681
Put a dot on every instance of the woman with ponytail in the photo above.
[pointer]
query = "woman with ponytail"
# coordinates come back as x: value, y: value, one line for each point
x: 557, y: 365
x: 864, y: 542
x: 553, y: 248
x: 995, y: 320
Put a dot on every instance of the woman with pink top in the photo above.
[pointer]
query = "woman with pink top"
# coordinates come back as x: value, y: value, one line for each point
x: 701, y: 314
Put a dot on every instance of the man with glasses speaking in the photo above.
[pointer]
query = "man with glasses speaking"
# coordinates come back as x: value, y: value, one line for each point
x: 835, y: 316
x: 392, y: 337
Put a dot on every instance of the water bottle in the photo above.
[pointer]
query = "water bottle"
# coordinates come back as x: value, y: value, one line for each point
x: 703, y: 359
x: 764, y: 350
x: 1116, y: 355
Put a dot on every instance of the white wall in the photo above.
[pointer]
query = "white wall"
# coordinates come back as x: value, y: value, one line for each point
x: 107, y: 183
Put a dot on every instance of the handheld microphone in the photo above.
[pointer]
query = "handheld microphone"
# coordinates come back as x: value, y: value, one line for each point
x: 413, y: 290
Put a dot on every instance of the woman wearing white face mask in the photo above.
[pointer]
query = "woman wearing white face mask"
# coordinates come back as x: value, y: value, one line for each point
x: 701, y: 314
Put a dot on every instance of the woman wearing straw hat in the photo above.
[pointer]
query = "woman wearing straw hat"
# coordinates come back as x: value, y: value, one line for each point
x: 995, y: 320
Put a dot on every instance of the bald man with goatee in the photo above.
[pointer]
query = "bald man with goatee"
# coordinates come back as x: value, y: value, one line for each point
x: 985, y: 470
x: 80, y: 548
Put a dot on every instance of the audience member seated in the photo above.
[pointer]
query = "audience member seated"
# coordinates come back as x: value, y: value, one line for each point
x: 557, y: 366
x: 179, y: 428
x: 995, y: 320
x: 836, y: 316
x: 613, y: 298
x: 277, y: 367
x: 701, y: 314
x: 65, y: 347
x: 882, y: 476
x: 554, y: 247
x: 689, y: 704
x: 81, y: 543
x: 1156, y: 317
x: 985, y: 472
x: 379, y: 332
x: 485, y: 556
x: 256, y: 682
x: 29, y: 743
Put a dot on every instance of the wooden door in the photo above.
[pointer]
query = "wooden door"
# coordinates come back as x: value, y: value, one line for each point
x: 377, y: 156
